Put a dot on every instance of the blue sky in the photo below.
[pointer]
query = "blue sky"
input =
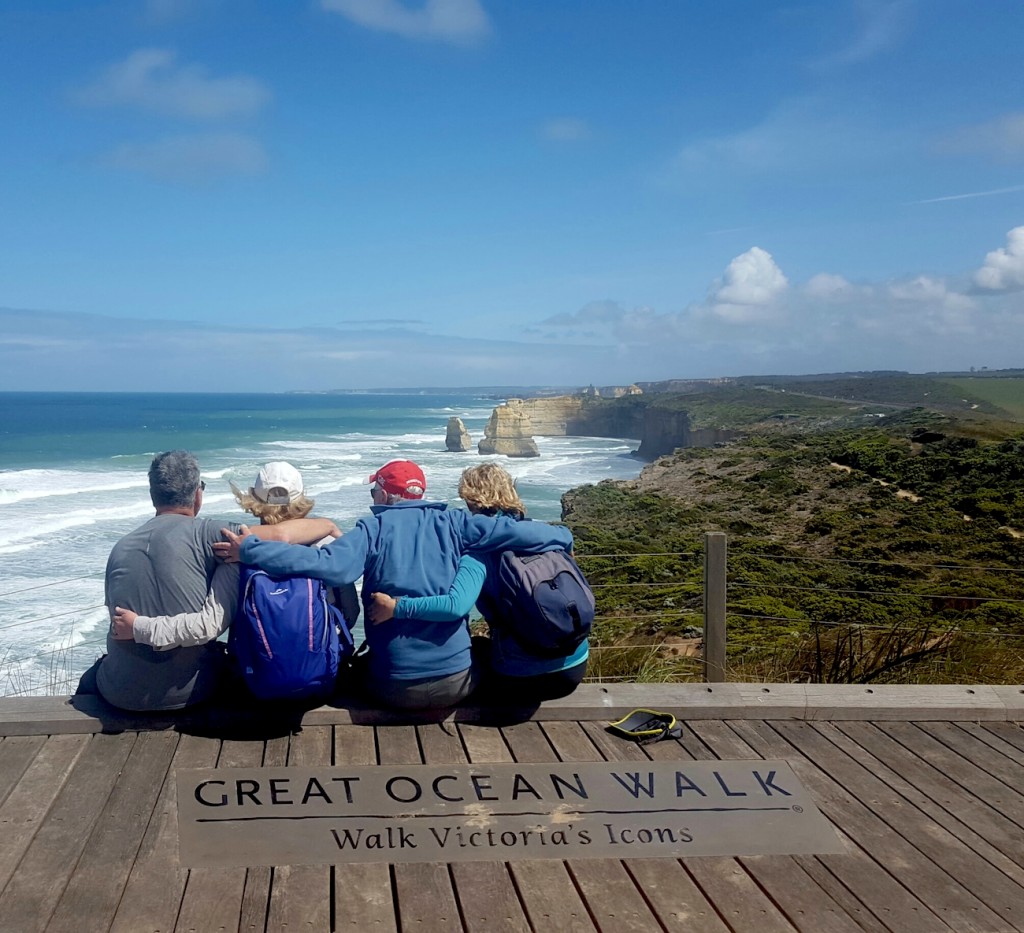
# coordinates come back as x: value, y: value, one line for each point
x: 230, y: 195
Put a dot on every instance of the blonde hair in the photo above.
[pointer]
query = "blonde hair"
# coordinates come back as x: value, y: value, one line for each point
x: 272, y: 514
x: 488, y: 488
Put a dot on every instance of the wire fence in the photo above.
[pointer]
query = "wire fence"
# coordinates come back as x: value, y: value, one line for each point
x: 653, y: 627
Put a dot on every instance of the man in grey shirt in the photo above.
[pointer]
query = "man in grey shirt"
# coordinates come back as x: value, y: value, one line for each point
x: 164, y: 567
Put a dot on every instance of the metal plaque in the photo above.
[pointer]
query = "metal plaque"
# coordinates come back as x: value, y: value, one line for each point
x: 502, y: 812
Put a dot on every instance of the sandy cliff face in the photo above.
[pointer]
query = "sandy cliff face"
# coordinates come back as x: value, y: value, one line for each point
x: 661, y: 430
x: 551, y: 417
x: 509, y: 432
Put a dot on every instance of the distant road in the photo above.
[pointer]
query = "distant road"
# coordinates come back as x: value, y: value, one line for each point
x: 855, y: 401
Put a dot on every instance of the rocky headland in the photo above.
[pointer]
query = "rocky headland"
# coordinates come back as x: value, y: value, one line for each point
x: 509, y: 432
x: 660, y: 425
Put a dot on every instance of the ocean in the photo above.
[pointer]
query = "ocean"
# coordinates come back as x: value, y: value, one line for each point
x: 73, y: 480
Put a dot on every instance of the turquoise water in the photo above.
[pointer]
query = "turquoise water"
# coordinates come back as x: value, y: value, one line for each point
x: 73, y: 480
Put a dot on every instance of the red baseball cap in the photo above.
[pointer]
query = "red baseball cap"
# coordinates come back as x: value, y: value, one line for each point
x: 401, y: 478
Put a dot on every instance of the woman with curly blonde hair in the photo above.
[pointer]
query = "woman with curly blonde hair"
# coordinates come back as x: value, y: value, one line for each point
x: 488, y: 489
x: 510, y: 670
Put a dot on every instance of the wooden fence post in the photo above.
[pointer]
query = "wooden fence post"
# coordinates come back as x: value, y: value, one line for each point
x: 714, y: 607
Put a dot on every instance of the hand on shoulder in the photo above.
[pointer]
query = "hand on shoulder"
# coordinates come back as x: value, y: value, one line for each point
x: 230, y: 550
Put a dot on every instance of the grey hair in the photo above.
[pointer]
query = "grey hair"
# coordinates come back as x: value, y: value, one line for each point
x: 173, y: 479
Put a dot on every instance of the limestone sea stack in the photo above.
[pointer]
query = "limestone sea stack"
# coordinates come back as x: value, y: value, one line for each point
x: 509, y: 432
x: 457, y: 438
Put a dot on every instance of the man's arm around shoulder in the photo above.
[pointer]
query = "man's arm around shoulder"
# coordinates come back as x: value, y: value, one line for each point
x: 482, y: 533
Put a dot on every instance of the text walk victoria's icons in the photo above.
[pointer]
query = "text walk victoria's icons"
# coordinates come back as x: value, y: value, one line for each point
x: 452, y: 813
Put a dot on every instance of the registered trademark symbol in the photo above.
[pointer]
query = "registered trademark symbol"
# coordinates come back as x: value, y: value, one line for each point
x: 797, y: 808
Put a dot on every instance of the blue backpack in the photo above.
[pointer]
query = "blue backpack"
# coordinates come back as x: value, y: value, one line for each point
x: 544, y: 602
x: 287, y: 639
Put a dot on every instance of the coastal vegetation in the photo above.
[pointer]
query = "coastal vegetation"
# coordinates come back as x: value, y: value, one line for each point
x: 864, y: 546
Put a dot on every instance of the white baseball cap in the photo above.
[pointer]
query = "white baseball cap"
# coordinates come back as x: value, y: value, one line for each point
x: 278, y: 483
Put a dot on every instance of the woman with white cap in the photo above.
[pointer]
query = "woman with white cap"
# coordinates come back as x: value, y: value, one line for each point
x: 277, y: 495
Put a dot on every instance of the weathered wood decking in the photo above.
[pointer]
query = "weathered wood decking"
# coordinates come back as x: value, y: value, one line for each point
x: 926, y: 791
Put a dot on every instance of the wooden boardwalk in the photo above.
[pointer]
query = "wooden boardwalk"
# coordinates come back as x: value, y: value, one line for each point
x: 930, y: 807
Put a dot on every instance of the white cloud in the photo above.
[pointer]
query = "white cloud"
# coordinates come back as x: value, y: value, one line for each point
x: 1001, y: 138
x: 800, y: 135
x: 152, y: 80
x: 752, y: 278
x: 882, y: 23
x: 195, y: 158
x: 1003, y: 269
x: 827, y: 287
x: 566, y: 129
x: 457, y: 21
x: 924, y: 288
x: 594, y: 312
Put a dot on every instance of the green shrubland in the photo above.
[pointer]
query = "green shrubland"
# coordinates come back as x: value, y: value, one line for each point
x: 855, y: 555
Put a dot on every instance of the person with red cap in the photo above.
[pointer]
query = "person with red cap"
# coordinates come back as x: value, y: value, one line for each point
x: 409, y: 546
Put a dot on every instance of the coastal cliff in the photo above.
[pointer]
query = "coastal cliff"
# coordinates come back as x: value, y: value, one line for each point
x: 512, y: 426
x: 666, y: 429
x: 509, y: 432
x: 660, y: 429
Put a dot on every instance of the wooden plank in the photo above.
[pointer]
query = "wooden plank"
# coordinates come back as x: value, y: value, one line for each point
x: 725, y: 743
x: 213, y: 896
x: 994, y: 740
x: 570, y: 742
x: 743, y: 905
x: 37, y: 883
x: 91, y: 897
x: 260, y: 878
x: 546, y: 889
x: 897, y: 702
x: 818, y: 872
x: 16, y: 754
x: 1013, y: 700
x: 301, y: 896
x: 424, y: 892
x: 1011, y: 733
x: 484, y: 743
x: 984, y: 891
x: 989, y: 759
x: 669, y: 889
x: 805, y: 904
x: 28, y: 803
x: 486, y: 894
x: 608, y: 890
x: 726, y: 882
x: 364, y: 897
x: 974, y: 823
x: 589, y: 702
x: 152, y: 896
x: 967, y: 774
x: 960, y: 804
x: 876, y: 884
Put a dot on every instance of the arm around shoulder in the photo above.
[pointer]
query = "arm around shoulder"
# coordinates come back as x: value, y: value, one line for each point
x: 336, y: 564
x: 298, y: 531
x: 188, y: 629
x: 482, y: 533
x: 450, y: 606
